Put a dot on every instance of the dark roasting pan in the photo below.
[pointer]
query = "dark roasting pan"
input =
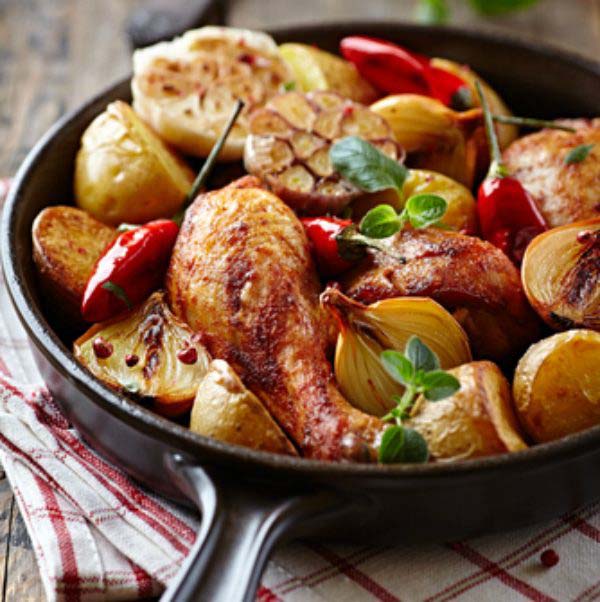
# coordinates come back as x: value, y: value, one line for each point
x: 251, y: 500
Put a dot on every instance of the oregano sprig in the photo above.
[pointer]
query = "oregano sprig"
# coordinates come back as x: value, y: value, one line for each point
x: 418, y: 369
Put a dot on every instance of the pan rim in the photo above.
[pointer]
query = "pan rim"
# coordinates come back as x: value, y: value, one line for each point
x: 47, y: 342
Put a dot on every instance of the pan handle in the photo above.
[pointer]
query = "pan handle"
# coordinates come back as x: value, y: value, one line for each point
x: 241, y: 523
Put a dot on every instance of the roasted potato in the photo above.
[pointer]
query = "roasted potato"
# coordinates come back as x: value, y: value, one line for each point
x: 125, y: 173
x: 315, y: 69
x: 434, y: 136
x: 556, y: 386
x: 147, y: 352
x: 66, y: 244
x: 561, y: 275
x: 224, y: 409
x: 478, y: 420
x: 289, y: 144
x: 565, y: 192
x: 461, y: 213
x: 186, y: 89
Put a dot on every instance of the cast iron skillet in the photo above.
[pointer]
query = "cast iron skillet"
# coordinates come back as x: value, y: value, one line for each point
x: 249, y: 500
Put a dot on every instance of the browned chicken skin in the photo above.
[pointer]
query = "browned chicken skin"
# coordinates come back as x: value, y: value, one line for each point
x: 564, y: 193
x: 469, y: 276
x: 242, y: 276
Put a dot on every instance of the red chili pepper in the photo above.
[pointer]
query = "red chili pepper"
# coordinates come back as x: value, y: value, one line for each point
x: 395, y: 70
x: 322, y: 231
x: 134, y: 264
x: 508, y: 215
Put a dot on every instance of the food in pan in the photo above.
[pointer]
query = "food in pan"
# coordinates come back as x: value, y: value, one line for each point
x: 289, y: 145
x: 346, y: 299
x: 560, y: 170
x: 478, y: 420
x: 225, y: 409
x: 315, y: 69
x: 186, y: 89
x: 66, y: 243
x: 561, y: 275
x: 125, y: 173
x: 148, y: 352
x: 557, y: 385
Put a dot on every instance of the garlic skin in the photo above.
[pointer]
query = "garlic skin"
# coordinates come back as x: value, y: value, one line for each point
x: 366, y: 331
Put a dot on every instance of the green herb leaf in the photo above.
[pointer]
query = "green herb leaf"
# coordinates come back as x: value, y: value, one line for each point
x: 421, y: 357
x: 392, y: 442
x: 425, y: 210
x: 366, y: 166
x: 415, y: 448
x: 578, y: 154
x: 118, y: 292
x: 499, y: 7
x: 380, y: 222
x: 289, y: 86
x: 439, y: 385
x: 433, y: 11
x: 398, y: 366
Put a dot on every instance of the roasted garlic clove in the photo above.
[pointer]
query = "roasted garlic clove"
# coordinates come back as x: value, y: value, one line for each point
x: 557, y: 385
x: 506, y: 133
x: 366, y: 331
x: 147, y: 352
x: 561, y: 275
x: 434, y: 136
x: 293, y: 156
x: 461, y: 213
x: 224, y: 409
x: 478, y: 420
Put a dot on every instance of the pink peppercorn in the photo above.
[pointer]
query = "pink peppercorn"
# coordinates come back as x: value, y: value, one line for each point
x: 549, y: 558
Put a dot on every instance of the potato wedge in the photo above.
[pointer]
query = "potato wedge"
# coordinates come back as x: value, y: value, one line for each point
x: 556, y: 386
x: 147, y: 352
x: 125, y: 173
x: 461, y: 214
x: 224, y: 409
x: 186, y: 89
x: 434, y: 136
x: 478, y: 420
x: 315, y: 69
x: 289, y: 144
x: 561, y: 275
x: 66, y: 244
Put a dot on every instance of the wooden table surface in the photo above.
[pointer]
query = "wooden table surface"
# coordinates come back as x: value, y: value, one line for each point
x: 56, y: 53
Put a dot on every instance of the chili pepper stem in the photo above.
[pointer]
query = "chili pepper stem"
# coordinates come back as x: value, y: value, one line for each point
x: 497, y: 168
x: 209, y: 163
x: 531, y: 122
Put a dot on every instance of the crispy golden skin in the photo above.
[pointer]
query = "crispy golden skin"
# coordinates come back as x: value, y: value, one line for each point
x: 564, y: 193
x: 242, y: 276
x: 466, y: 275
x: 66, y: 244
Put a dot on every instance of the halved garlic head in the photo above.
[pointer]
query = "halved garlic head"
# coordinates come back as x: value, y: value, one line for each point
x: 557, y: 385
x: 366, y: 331
x: 434, y: 136
x: 148, y: 352
x: 561, y: 275
x: 506, y: 133
x: 478, y: 420
x: 289, y: 142
x: 224, y: 409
